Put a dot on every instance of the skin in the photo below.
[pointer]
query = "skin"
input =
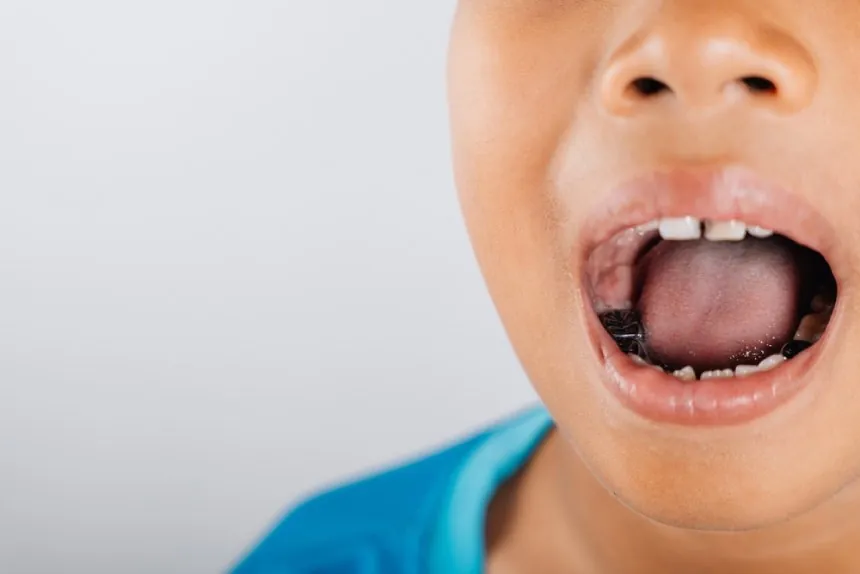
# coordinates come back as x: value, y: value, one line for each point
x: 542, y: 130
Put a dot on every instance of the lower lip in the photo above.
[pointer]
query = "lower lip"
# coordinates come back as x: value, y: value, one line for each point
x: 658, y: 396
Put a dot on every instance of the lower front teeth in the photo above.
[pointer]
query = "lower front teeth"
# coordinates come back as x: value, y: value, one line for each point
x: 686, y: 374
x: 689, y: 374
x: 626, y: 328
x: 744, y: 370
x: 718, y: 374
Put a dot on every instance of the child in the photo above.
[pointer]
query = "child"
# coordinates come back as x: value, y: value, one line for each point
x: 662, y: 196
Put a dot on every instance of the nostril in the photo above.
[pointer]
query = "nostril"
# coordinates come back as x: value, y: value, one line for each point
x: 648, y: 86
x: 758, y: 85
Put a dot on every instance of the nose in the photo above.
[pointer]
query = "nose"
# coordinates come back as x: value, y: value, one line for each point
x: 703, y: 56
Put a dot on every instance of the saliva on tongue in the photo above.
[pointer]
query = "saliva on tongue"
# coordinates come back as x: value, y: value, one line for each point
x: 716, y: 305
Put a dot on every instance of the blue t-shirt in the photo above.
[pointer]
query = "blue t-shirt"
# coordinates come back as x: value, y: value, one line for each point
x: 426, y: 517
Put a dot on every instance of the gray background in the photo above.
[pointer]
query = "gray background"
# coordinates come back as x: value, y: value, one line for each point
x: 233, y: 269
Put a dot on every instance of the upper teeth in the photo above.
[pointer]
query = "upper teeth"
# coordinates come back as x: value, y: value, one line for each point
x: 680, y: 228
x: 757, y: 231
x: 688, y: 228
x: 725, y: 230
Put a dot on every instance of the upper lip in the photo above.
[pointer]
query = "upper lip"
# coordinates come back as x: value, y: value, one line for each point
x: 731, y: 193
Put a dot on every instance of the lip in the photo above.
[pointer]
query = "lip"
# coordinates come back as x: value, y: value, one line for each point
x: 730, y: 193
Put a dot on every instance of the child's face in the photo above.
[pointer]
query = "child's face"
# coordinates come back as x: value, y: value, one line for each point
x: 574, y: 120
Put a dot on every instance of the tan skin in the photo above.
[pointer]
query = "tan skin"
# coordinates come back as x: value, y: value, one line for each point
x: 541, y: 132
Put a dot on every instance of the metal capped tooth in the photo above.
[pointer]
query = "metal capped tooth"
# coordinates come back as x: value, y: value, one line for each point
x: 623, y: 324
x: 794, y: 348
x: 626, y: 329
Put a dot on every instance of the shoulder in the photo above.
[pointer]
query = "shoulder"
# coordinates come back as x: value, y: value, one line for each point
x: 370, y: 526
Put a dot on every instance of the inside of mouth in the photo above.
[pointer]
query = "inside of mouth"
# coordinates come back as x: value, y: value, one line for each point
x: 704, y: 299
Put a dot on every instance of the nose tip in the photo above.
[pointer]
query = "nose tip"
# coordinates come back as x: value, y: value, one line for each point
x: 718, y: 62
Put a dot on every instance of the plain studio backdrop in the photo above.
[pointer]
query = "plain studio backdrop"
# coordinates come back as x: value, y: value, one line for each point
x: 233, y: 271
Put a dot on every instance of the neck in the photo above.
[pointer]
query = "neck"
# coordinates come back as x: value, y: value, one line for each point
x: 591, y: 532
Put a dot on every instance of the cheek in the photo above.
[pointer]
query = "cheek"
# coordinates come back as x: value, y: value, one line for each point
x: 513, y: 103
x: 513, y: 91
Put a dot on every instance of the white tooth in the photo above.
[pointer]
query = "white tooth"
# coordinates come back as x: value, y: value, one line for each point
x: 680, y: 228
x: 725, y: 230
x: 637, y: 359
x: 650, y: 226
x: 718, y: 374
x: 812, y: 327
x: 744, y: 370
x: 686, y: 374
x: 760, y: 232
x: 771, y: 362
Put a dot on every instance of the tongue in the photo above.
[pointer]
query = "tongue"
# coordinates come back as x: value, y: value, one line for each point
x: 714, y: 305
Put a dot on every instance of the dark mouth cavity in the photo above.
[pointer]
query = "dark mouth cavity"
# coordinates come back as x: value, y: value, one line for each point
x: 718, y: 302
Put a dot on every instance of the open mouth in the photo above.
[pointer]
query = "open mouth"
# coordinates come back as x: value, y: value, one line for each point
x: 710, y: 299
x: 707, y: 314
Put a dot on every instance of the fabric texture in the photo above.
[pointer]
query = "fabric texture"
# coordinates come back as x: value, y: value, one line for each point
x: 426, y: 517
